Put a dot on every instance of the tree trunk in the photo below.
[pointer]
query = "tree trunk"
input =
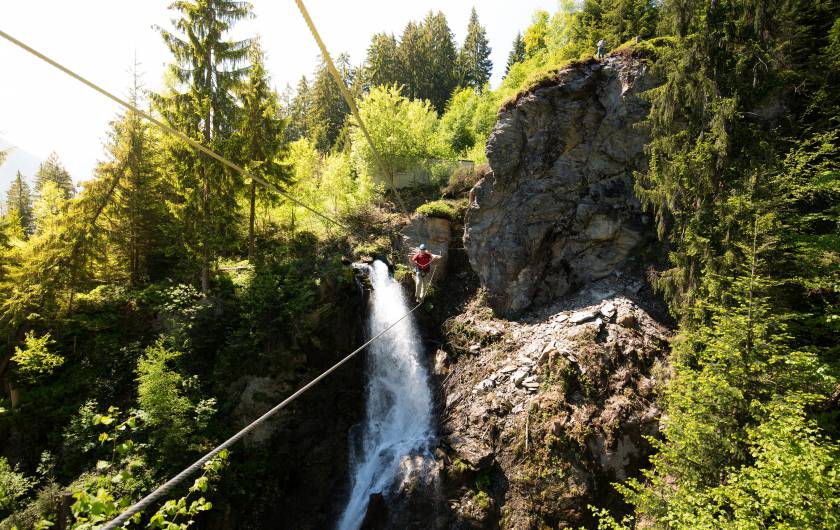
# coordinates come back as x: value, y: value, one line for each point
x: 251, y: 221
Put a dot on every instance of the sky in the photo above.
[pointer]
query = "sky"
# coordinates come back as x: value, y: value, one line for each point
x: 43, y: 110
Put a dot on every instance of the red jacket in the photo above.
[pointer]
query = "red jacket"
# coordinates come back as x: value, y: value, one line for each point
x: 422, y: 260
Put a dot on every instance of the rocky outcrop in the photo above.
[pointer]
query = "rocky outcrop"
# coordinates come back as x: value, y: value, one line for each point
x: 436, y: 233
x: 542, y: 414
x: 558, y: 209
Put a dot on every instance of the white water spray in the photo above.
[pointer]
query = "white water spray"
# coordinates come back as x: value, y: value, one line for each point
x: 398, y: 409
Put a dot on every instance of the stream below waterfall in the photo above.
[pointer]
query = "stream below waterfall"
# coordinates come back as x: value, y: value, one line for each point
x: 398, y: 406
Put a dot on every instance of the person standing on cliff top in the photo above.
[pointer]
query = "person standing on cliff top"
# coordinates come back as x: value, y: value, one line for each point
x: 601, y: 52
x: 422, y: 260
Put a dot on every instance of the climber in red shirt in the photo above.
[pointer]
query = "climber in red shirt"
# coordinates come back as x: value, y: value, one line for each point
x: 422, y: 260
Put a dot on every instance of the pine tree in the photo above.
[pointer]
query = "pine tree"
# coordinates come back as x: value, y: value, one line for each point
x: 297, y: 111
x: 135, y: 211
x: 261, y: 133
x: 474, y: 61
x: 382, y: 66
x: 52, y: 170
x: 411, y: 55
x: 328, y: 109
x: 207, y: 66
x: 517, y: 53
x: 440, y: 61
x: 19, y: 205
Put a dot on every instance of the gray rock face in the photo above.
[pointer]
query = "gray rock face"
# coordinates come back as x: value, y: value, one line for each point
x: 558, y: 209
x: 436, y: 234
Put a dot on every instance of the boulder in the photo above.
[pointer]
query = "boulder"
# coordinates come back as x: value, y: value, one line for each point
x: 559, y: 205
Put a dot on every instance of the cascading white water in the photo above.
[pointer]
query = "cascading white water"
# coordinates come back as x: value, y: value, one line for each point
x: 398, y: 410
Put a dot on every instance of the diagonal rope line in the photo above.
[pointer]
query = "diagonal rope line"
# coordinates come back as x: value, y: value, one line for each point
x: 196, y: 145
x: 197, y: 465
x: 350, y: 102
x: 156, y: 495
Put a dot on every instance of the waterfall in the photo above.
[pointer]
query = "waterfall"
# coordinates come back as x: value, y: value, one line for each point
x: 398, y: 408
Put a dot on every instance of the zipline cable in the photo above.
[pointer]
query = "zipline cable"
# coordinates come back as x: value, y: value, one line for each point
x: 156, y: 495
x: 196, y: 145
x: 350, y: 103
x: 198, y: 464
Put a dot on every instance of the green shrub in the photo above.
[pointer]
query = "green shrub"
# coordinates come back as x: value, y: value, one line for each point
x: 13, y: 486
x: 35, y: 360
x: 440, y: 209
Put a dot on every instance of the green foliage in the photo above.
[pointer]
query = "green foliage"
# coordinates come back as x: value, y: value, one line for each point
x: 19, y: 205
x: 13, y: 486
x: 35, y: 360
x: 442, y: 209
x: 327, y: 108
x: 474, y: 63
x: 51, y: 170
x: 161, y: 395
x: 118, y: 482
x: 199, y: 103
x: 517, y: 52
x: 401, y: 129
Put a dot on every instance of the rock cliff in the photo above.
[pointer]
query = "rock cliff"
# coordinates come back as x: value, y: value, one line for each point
x: 558, y: 209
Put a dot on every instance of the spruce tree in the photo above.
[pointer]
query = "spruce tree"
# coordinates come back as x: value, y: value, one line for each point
x: 297, y: 111
x: 328, y: 108
x: 261, y: 133
x: 52, y: 170
x: 208, y: 69
x: 135, y: 212
x: 382, y: 65
x: 19, y: 205
x: 412, y: 55
x: 474, y: 62
x: 440, y: 61
x: 517, y: 53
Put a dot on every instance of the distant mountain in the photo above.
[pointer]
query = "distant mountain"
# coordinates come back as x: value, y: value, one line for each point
x: 17, y: 160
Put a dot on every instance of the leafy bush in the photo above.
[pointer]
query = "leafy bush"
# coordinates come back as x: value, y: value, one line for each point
x: 440, y: 209
x: 35, y: 360
x: 160, y: 394
x: 13, y: 486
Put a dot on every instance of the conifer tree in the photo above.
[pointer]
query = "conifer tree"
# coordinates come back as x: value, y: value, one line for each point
x: 328, y: 110
x: 52, y: 170
x: 517, y: 53
x: 412, y: 54
x: 19, y: 205
x: 440, y: 63
x: 382, y: 66
x: 297, y: 111
x: 135, y: 211
x: 261, y: 133
x: 474, y: 61
x: 207, y: 69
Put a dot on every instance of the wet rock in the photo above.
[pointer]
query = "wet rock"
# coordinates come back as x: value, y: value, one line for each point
x: 377, y: 513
